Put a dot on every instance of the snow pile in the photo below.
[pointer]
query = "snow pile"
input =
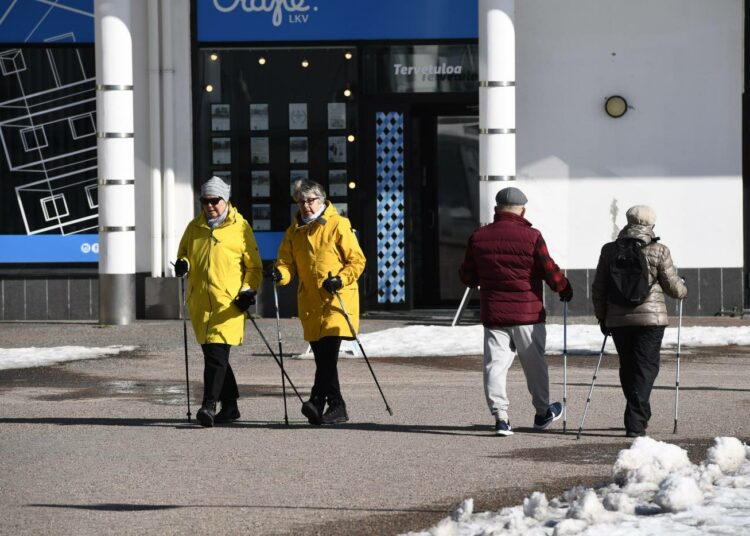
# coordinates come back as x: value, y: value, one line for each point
x: 655, y: 490
x: 15, y: 358
x: 426, y: 341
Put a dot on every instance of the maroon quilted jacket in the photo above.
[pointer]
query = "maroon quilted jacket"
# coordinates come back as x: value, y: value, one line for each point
x: 509, y: 260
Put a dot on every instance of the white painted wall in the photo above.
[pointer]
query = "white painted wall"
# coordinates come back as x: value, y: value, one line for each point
x: 679, y: 63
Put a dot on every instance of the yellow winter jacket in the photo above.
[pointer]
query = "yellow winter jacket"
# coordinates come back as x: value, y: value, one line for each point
x: 221, y: 263
x: 312, y: 251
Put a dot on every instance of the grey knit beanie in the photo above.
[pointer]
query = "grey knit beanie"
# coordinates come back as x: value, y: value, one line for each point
x: 641, y: 215
x: 215, y: 187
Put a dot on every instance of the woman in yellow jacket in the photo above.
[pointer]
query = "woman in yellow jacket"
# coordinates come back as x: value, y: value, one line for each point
x: 321, y: 249
x: 219, y: 254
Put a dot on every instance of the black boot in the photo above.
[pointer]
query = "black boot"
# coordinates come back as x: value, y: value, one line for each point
x: 206, y: 414
x: 229, y: 412
x: 313, y: 410
x: 336, y: 412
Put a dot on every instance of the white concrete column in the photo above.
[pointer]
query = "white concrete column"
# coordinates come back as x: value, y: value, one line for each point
x: 116, y: 161
x: 154, y: 101
x: 497, y: 101
x: 168, y: 137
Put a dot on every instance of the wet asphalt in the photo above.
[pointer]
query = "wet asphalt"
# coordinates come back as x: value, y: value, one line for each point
x: 104, y: 446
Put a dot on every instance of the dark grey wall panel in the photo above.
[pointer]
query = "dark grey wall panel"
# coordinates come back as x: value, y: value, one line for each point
x: 14, y: 299
x: 36, y: 299
x: 80, y: 299
x: 57, y: 299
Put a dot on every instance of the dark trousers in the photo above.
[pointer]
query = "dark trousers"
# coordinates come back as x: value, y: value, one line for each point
x: 326, y: 386
x: 219, y: 383
x: 639, y: 350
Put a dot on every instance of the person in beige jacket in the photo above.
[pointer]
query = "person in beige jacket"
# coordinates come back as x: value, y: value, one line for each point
x: 637, y: 330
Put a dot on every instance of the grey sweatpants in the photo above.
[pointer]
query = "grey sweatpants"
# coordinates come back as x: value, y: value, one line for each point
x: 500, y: 347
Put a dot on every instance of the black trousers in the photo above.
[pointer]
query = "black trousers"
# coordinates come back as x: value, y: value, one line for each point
x: 639, y: 349
x: 326, y: 351
x: 219, y: 383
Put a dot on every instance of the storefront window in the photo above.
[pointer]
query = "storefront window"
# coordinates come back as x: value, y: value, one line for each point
x: 268, y: 117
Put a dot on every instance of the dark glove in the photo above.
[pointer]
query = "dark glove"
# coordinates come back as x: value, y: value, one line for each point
x: 604, y: 328
x: 180, y: 267
x: 273, y: 274
x: 333, y: 283
x: 245, y: 299
x: 567, y: 293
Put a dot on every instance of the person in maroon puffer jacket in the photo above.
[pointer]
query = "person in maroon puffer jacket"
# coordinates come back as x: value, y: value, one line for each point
x: 508, y: 260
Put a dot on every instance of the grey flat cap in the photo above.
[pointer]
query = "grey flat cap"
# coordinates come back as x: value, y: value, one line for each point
x: 510, y: 196
x: 641, y: 215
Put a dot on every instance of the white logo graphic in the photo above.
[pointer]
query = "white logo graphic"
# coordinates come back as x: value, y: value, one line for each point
x: 278, y: 7
x: 89, y: 248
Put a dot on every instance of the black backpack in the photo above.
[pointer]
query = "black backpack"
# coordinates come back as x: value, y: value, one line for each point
x: 628, y: 273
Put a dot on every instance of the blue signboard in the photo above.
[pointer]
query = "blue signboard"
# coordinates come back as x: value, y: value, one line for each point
x: 46, y: 21
x: 335, y: 20
x: 49, y: 248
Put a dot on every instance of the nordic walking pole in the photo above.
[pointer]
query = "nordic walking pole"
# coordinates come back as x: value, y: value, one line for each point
x: 583, y: 418
x: 281, y: 354
x: 275, y: 358
x: 356, y: 338
x: 565, y: 367
x: 184, y: 334
x: 677, y: 381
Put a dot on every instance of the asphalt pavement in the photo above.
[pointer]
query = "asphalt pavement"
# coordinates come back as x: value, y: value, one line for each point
x: 104, y: 446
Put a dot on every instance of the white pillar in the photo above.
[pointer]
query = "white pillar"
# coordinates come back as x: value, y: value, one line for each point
x: 154, y: 100
x: 497, y: 101
x: 116, y: 161
x: 168, y: 146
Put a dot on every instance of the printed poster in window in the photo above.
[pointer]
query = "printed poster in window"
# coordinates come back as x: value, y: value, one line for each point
x: 296, y: 175
x: 261, y: 217
x: 259, y: 150
x: 261, y: 183
x: 337, y: 149
x: 259, y: 117
x: 336, y: 115
x: 297, y: 116
x: 342, y: 208
x: 226, y: 176
x: 219, y: 117
x: 221, y: 152
x: 336, y: 182
x: 298, y: 150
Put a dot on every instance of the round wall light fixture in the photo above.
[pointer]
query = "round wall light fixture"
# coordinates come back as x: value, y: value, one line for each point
x: 615, y: 106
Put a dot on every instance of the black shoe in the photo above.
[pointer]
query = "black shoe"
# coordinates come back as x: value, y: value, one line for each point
x: 336, y: 412
x: 229, y: 412
x: 206, y: 414
x: 554, y: 411
x: 313, y: 410
x: 502, y: 427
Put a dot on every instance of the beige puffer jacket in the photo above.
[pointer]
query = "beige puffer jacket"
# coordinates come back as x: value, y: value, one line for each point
x: 662, y: 277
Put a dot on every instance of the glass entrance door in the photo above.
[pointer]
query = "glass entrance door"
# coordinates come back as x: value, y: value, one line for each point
x: 457, y: 179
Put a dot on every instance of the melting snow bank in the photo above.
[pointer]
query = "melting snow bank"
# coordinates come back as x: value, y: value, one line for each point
x: 15, y: 358
x: 425, y: 341
x: 655, y: 490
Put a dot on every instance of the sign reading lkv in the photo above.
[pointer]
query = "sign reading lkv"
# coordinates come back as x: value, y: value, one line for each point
x: 296, y: 10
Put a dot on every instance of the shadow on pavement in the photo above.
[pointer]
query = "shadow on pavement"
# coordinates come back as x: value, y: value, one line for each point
x: 133, y: 507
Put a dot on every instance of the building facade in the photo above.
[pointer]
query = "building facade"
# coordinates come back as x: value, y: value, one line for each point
x: 379, y: 102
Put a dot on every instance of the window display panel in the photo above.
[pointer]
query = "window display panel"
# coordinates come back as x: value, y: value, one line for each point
x: 219, y: 117
x: 261, y: 183
x: 283, y: 122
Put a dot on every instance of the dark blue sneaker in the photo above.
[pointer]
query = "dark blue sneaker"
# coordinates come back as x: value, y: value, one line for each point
x: 554, y: 411
x: 502, y: 427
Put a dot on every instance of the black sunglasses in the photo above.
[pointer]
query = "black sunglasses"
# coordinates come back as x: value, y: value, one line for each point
x: 213, y: 201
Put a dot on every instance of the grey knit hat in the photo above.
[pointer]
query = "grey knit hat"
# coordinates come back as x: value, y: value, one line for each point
x: 641, y: 215
x: 510, y: 196
x: 216, y: 187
